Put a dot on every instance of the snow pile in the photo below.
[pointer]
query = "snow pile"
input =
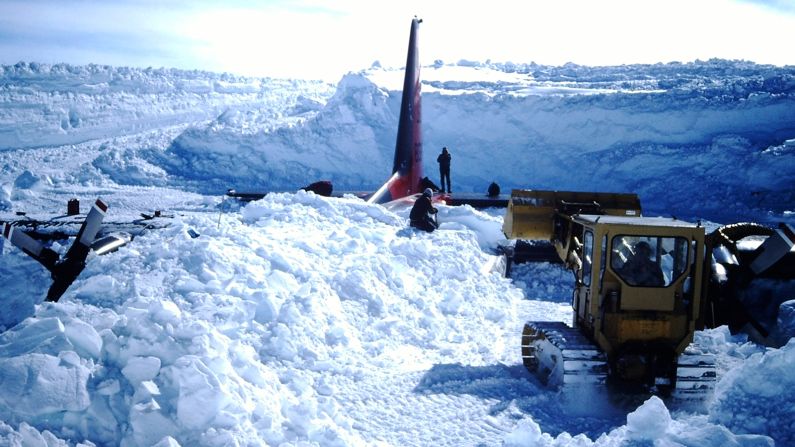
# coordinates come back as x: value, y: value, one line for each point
x: 278, y: 322
x: 241, y: 334
x: 649, y: 424
x: 342, y: 141
x: 757, y: 396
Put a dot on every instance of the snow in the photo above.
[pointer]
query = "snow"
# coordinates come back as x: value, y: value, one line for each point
x: 763, y: 377
x: 304, y: 320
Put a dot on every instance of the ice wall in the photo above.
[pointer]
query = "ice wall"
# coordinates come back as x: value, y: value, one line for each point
x: 45, y: 105
x: 727, y: 127
x: 723, y: 130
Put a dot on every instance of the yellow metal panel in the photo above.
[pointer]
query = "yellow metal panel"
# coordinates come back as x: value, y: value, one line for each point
x: 530, y: 213
x: 647, y: 298
x: 621, y: 328
x: 631, y: 329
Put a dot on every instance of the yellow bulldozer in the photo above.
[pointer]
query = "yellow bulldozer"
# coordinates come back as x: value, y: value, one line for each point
x: 643, y: 286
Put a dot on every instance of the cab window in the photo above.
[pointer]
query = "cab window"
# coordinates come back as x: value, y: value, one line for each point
x: 587, y: 257
x: 649, y: 261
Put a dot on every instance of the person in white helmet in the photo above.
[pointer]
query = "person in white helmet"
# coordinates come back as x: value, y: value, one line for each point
x: 422, y: 212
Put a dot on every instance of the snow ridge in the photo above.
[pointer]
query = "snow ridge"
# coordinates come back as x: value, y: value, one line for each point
x: 540, y: 134
x: 43, y: 105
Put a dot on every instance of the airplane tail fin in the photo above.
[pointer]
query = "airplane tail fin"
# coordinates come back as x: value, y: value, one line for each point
x: 407, y: 167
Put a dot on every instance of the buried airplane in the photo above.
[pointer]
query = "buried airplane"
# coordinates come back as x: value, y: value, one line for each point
x: 30, y: 236
x: 406, y: 182
x: 401, y: 190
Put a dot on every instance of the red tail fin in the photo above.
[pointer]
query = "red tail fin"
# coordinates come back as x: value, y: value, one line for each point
x: 407, y: 167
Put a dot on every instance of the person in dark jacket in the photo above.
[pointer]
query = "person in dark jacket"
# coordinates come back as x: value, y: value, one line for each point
x: 422, y: 212
x: 494, y: 189
x: 640, y: 270
x: 444, y: 168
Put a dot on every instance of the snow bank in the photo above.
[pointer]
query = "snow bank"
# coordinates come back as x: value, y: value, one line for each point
x: 646, y: 129
x: 43, y: 104
x: 650, y: 129
x: 649, y: 424
x: 757, y: 396
x: 345, y: 141
x: 241, y: 335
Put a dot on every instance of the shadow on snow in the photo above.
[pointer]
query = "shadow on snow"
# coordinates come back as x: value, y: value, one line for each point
x: 518, y: 394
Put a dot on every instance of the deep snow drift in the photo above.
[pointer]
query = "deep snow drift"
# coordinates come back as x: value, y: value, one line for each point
x: 303, y: 320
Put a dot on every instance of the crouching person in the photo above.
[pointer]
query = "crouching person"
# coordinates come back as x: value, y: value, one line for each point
x: 422, y: 213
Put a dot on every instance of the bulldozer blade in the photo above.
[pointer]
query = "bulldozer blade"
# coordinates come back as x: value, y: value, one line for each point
x: 774, y: 248
x: 560, y: 355
x: 531, y: 213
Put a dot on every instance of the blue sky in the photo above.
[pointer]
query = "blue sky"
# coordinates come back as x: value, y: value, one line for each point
x: 325, y: 39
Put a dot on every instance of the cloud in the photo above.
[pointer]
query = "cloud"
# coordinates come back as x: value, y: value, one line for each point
x: 320, y: 39
x: 121, y: 33
x: 785, y: 6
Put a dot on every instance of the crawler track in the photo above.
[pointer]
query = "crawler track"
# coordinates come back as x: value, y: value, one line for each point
x: 695, y: 376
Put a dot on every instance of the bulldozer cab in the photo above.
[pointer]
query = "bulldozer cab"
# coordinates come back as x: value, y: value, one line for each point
x: 636, y: 278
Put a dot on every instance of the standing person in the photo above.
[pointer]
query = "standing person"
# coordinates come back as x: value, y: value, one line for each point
x: 444, y: 168
x: 422, y: 212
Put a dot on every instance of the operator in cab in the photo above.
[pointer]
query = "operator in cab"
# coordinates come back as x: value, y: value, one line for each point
x: 422, y: 213
x: 641, y: 270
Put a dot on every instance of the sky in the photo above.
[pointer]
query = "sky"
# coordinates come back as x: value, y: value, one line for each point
x: 317, y: 39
